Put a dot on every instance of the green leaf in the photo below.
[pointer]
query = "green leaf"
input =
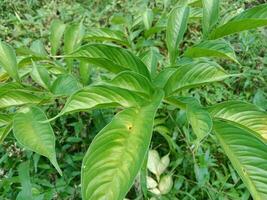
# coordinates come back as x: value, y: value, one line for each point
x: 38, y: 48
x: 18, y: 98
x: 198, y: 117
x: 116, y: 154
x: 176, y: 27
x: 195, y: 13
x: 24, y: 177
x: 194, y: 74
x: 210, y: 15
x: 151, y: 58
x: 212, y: 48
x: 244, y: 114
x: 72, y: 40
x: 163, y: 76
x: 4, y: 119
x: 85, y: 73
x: 134, y: 82
x: 4, y: 131
x: 112, y: 58
x: 65, y: 85
x: 249, y: 19
x: 8, y: 60
x: 105, y: 34
x: 41, y: 76
x: 36, y: 135
x: 57, y: 29
x: 247, y: 154
x: 102, y: 96
x: 148, y: 17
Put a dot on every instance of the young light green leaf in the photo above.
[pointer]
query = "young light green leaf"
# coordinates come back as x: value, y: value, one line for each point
x: 105, y: 34
x: 57, y: 29
x: 247, y: 154
x: 212, y: 48
x: 157, y: 165
x: 65, y: 85
x: 194, y: 74
x: 244, y: 114
x: 249, y: 19
x: 210, y: 15
x: 8, y: 60
x: 112, y: 58
x: 116, y: 154
x: 102, y: 96
x: 165, y: 184
x: 36, y: 135
x: 148, y: 18
x: 176, y: 27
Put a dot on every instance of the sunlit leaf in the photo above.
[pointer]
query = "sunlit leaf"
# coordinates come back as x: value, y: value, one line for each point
x: 116, y: 154
x: 247, y: 154
x: 245, y: 114
x: 65, y: 85
x: 194, y: 74
x: 57, y: 29
x: 104, y: 34
x: 112, y: 58
x: 102, y: 96
x: 8, y: 60
x: 36, y: 135
x: 210, y: 15
x: 212, y: 48
x: 249, y: 19
x: 176, y: 27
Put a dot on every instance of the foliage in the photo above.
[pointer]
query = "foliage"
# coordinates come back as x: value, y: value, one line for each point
x: 59, y: 92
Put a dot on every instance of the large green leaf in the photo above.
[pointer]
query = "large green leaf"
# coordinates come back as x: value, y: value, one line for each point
x: 212, y: 48
x: 100, y: 96
x: 247, y: 154
x: 36, y: 135
x: 112, y: 58
x: 194, y: 74
x: 105, y: 34
x: 56, y: 33
x: 151, y: 58
x: 249, y: 19
x: 116, y: 154
x: 210, y: 15
x: 176, y: 27
x: 245, y: 114
x: 18, y: 98
x: 133, y: 81
x: 8, y: 60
